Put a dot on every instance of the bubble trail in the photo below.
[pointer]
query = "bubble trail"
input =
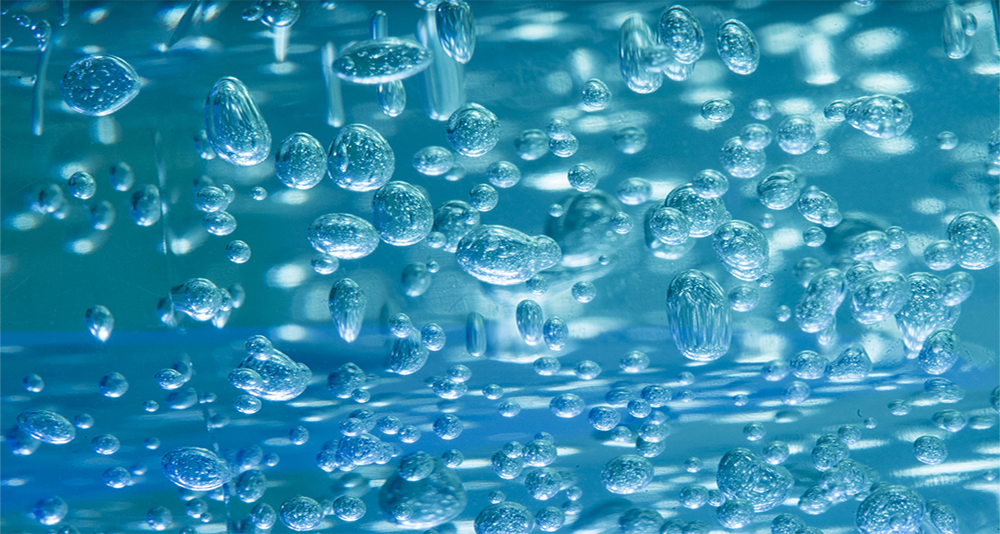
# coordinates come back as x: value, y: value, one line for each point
x: 391, y: 95
x: 444, y: 80
x: 38, y: 98
x: 183, y: 25
x: 335, y: 115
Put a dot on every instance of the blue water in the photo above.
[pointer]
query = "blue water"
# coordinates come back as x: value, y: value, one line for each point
x: 530, y: 64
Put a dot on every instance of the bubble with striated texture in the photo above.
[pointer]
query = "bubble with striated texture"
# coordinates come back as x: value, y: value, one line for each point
x: 473, y: 130
x: 737, y: 47
x: 300, y: 161
x: 881, y: 116
x: 744, y: 475
x: 796, y: 134
x: 977, y: 240
x: 698, y: 316
x: 890, y: 509
x: 739, y: 160
x: 456, y: 29
x: 635, y: 38
x: 99, y: 85
x: 343, y: 236
x: 347, y: 308
x: 383, y: 60
x: 196, y: 469
x: 408, y: 354
x: 596, y: 95
x: 681, y: 32
x: 235, y: 127
x: 360, y: 159
x: 627, y: 474
x: 742, y: 249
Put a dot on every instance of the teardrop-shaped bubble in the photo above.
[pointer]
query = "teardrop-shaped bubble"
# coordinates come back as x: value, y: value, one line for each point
x: 682, y: 32
x: 815, y: 310
x: 501, y: 255
x: 976, y: 239
x: 47, y: 426
x: 742, y: 249
x: 300, y: 161
x: 939, y: 353
x: 454, y: 219
x: 144, y: 205
x: 780, y: 189
x: 634, y: 39
x: 234, y: 125
x: 432, y: 500
x: 456, y: 29
x: 704, y: 214
x: 744, y: 475
x: 890, y: 509
x: 391, y: 98
x: 475, y: 334
x: 408, y: 354
x: 738, y: 47
x: 882, y: 116
x: 698, y: 316
x: 925, y: 310
x: 383, y: 60
x: 529, y: 321
x: 473, y: 130
x: 852, y: 364
x: 100, y: 322
x: 347, y: 307
x: 281, y: 378
x: 401, y: 214
x: 343, y: 236
x: 360, y: 159
x: 99, y: 85
x: 957, y: 31
x: 195, y: 468
x: 584, y: 229
x: 878, y: 296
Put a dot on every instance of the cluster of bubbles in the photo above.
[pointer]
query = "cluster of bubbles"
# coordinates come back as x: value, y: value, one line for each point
x: 582, y: 230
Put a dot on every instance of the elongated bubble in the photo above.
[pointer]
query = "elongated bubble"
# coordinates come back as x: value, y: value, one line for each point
x: 360, y: 159
x: 738, y: 47
x: 504, y: 256
x: 698, y: 316
x: 391, y: 97
x: 47, y: 426
x: 381, y: 61
x: 456, y: 29
x: 529, y: 321
x: 635, y: 38
x: 347, y: 308
x: 815, y: 310
x: 343, y: 236
x: 475, y: 334
x: 234, y: 125
x: 957, y: 31
x: 99, y: 85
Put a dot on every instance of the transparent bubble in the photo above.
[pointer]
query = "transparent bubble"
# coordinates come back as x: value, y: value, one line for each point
x: 634, y: 191
x: 584, y: 292
x: 717, y: 110
x: 596, y: 96
x: 761, y: 109
x: 740, y: 161
x: 631, y: 139
x: 796, y: 134
x: 433, y: 160
x: 473, y: 130
x: 531, y: 144
x: 503, y: 174
x: 564, y: 147
x: 483, y: 197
